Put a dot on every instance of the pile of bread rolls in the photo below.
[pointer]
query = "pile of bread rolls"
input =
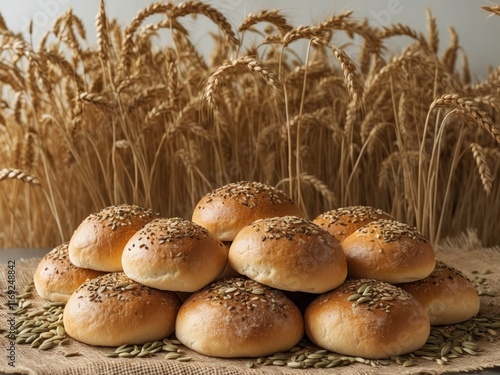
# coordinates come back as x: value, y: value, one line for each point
x: 249, y: 276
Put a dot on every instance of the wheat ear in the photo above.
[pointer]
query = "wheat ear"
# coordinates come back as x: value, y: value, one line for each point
x: 17, y: 174
x: 482, y: 166
x: 468, y: 106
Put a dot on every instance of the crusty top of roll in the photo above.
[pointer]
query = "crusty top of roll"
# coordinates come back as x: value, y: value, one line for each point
x: 99, y: 240
x: 367, y: 318
x: 174, y: 254
x: 238, y: 317
x: 112, y: 310
x: 289, y: 253
x: 388, y: 250
x: 56, y: 278
x: 342, y: 221
x: 447, y: 294
x: 229, y: 208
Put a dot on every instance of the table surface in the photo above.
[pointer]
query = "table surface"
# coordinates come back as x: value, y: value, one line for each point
x: 16, y: 254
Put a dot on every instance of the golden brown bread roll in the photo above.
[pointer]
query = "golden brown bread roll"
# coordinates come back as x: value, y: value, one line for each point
x: 229, y: 208
x: 174, y: 254
x: 289, y: 253
x: 239, y: 317
x: 99, y: 240
x: 343, y: 221
x: 56, y: 278
x: 112, y: 310
x: 390, y: 251
x: 446, y: 294
x: 367, y: 318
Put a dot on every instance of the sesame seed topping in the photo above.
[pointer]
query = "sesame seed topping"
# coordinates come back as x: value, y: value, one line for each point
x: 247, y: 193
x: 244, y: 294
x: 353, y: 215
x: 121, y: 216
x: 392, y: 230
x: 287, y: 227
x: 372, y: 294
x: 112, y: 285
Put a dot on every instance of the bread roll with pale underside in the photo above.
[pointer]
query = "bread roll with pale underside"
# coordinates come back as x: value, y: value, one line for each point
x: 99, y: 240
x: 289, y: 253
x: 446, y: 294
x: 113, y: 310
x: 343, y: 221
x: 174, y: 254
x: 239, y: 317
x: 390, y: 251
x: 226, y: 210
x: 56, y: 278
x: 367, y: 318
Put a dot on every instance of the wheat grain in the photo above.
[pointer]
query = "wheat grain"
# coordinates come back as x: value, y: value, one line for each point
x: 251, y: 64
x: 272, y: 16
x: 433, y: 33
x: 494, y: 9
x: 17, y: 174
x: 102, y: 32
x: 352, y: 78
x: 478, y: 115
x: 482, y: 167
x: 450, y: 55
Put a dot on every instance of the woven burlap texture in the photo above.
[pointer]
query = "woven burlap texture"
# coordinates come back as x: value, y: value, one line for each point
x: 464, y: 252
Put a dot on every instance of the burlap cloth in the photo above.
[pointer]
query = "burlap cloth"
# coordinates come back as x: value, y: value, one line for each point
x: 464, y: 252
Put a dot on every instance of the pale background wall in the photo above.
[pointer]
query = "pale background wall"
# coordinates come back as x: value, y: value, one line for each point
x: 478, y: 33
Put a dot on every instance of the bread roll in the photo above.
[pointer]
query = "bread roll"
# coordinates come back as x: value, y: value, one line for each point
x: 56, y: 278
x: 289, y: 253
x: 174, y: 254
x: 446, y: 294
x: 239, y: 318
x: 343, y: 221
x: 367, y: 318
x: 113, y: 310
x: 390, y: 251
x: 229, y: 208
x: 99, y: 240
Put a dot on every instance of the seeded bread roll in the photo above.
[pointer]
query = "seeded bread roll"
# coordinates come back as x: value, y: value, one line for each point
x: 390, y: 251
x: 56, y: 278
x: 343, y: 221
x: 289, y: 253
x: 113, y: 310
x: 446, y: 294
x: 238, y: 317
x: 367, y: 318
x: 174, y: 254
x: 226, y: 210
x: 99, y: 240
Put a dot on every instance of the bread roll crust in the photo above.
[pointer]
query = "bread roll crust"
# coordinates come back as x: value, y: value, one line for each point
x: 447, y: 294
x: 386, y: 322
x: 56, y: 278
x: 226, y: 210
x: 343, y: 221
x: 99, y: 240
x: 239, y: 317
x: 390, y: 251
x: 174, y: 254
x: 113, y: 310
x: 289, y: 253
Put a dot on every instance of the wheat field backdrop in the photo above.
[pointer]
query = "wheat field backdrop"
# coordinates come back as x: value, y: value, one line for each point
x: 131, y: 120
